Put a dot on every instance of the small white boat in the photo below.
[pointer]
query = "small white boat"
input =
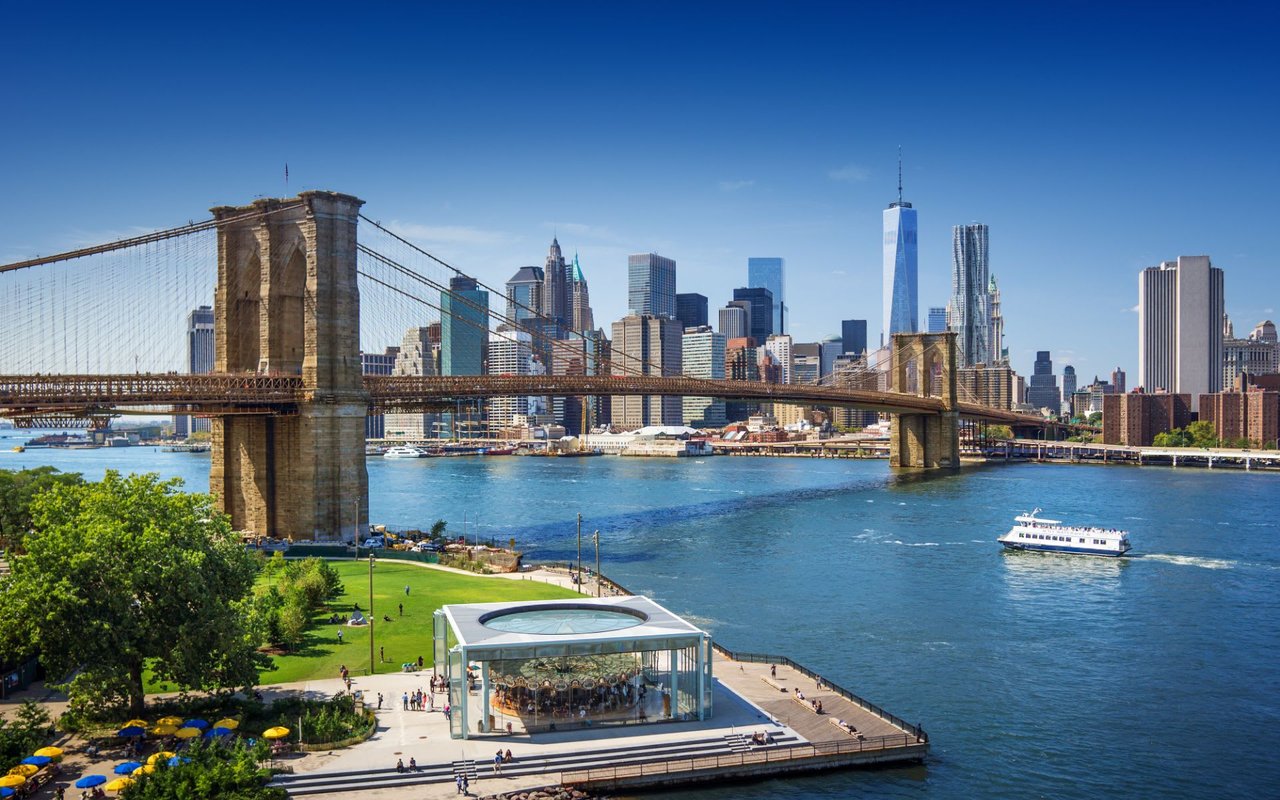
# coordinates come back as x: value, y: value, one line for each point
x: 1030, y: 532
x: 405, y: 451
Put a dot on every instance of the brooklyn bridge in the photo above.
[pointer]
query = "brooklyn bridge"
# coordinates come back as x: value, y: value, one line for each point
x: 90, y: 334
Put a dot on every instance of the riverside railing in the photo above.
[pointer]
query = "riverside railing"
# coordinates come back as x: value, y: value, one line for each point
x: 767, y: 658
x: 765, y: 755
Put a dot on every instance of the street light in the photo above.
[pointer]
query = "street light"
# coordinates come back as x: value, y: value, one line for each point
x: 371, y: 559
x: 596, y: 538
x: 579, y: 552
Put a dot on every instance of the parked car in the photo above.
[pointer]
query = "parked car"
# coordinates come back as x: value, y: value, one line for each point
x: 374, y: 541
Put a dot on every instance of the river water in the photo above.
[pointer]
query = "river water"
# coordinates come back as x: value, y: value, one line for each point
x: 1035, y: 675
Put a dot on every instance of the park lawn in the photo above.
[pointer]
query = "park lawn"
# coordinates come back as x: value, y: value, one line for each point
x: 404, y: 638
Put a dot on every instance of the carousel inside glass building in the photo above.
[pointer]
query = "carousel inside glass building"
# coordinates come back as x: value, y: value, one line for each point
x: 563, y: 665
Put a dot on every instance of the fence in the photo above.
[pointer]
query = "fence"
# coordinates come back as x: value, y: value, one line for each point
x: 759, y: 756
x: 765, y: 658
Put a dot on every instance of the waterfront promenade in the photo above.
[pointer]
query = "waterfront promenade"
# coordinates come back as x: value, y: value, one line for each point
x: 1088, y: 453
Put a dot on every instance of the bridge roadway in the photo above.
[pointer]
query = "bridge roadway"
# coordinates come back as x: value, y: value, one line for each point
x: 251, y: 393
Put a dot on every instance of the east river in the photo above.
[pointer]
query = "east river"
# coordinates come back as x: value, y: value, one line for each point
x: 1035, y: 675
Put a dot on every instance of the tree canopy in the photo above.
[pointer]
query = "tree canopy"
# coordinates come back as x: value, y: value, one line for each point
x: 17, y: 489
x: 125, y: 574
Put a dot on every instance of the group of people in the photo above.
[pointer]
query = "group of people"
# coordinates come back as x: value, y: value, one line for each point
x: 413, y: 765
x: 761, y: 738
x: 500, y: 758
x: 816, y: 705
x: 418, y: 700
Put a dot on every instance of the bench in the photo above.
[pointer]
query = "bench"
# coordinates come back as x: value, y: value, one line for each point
x: 806, y: 702
x: 847, y: 728
x: 774, y: 683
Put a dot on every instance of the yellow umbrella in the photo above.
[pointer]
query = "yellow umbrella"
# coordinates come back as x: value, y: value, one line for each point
x: 25, y: 770
x: 141, y: 723
x: 163, y: 755
x: 12, y: 781
x: 278, y: 732
x: 145, y: 769
x: 118, y: 784
x: 187, y: 733
x: 49, y: 752
x: 228, y: 723
x: 174, y: 721
x: 163, y: 730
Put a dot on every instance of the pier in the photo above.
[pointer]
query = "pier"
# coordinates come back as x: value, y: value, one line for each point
x: 1087, y: 453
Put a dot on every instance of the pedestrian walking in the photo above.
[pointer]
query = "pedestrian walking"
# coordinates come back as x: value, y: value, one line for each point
x: 773, y: 670
x: 402, y: 609
x: 466, y: 786
x: 379, y: 701
x: 382, y: 654
x: 339, y: 635
x: 406, y: 590
x: 458, y: 780
x: 406, y: 701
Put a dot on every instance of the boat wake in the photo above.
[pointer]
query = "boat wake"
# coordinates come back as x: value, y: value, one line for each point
x: 1190, y: 561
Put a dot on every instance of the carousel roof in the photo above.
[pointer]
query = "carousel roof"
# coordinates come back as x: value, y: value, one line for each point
x: 567, y: 627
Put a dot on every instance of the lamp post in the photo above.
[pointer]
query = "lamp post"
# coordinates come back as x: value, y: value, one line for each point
x: 596, y: 538
x: 371, y: 559
x: 355, y: 530
x: 579, y: 552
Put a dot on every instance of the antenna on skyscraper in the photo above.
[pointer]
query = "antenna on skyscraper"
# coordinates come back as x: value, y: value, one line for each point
x: 899, y: 174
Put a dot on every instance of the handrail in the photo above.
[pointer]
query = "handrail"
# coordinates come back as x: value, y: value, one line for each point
x: 757, y: 756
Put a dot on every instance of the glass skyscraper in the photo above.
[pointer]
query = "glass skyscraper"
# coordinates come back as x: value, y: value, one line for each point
x: 937, y: 319
x: 900, y: 269
x: 970, y: 294
x: 464, y: 327
x: 651, y: 285
x: 770, y: 273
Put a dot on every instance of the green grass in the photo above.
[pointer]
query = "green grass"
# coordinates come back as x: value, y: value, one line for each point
x: 405, y: 637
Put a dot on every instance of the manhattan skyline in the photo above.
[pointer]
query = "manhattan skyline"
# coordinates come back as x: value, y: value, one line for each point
x: 1088, y: 154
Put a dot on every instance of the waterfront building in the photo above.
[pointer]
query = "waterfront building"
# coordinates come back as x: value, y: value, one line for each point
x: 524, y: 294
x: 937, y: 319
x: 735, y: 319
x: 703, y: 356
x: 1069, y: 387
x: 770, y: 273
x: 1043, y: 391
x: 853, y: 336
x: 691, y: 309
x: 200, y: 352
x: 1180, y: 325
x: 413, y: 357
x: 378, y: 364
x: 1257, y: 354
x: 651, y: 285
x: 761, y: 317
x: 644, y: 344
x: 969, y: 313
x: 1118, y: 380
x: 1253, y: 416
x: 900, y: 267
x: 1135, y: 418
x: 779, y: 346
x: 511, y: 352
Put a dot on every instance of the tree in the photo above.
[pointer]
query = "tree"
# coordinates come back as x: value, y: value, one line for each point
x: 17, y: 489
x: 1095, y: 418
x: 126, y: 574
x: 999, y: 432
x: 228, y: 772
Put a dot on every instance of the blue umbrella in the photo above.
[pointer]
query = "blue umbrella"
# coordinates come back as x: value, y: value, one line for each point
x: 38, y: 761
x: 127, y: 767
x: 176, y: 760
x: 89, y: 781
x: 131, y: 730
x: 195, y: 723
x: 5, y: 791
x: 213, y: 733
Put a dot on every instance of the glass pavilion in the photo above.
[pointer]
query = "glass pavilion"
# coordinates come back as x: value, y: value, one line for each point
x: 558, y: 665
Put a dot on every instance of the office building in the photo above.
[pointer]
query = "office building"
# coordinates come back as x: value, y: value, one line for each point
x: 702, y: 356
x: 937, y: 319
x: 377, y: 364
x: 1180, y: 326
x: 735, y: 319
x: 464, y: 327
x: 524, y: 294
x: 414, y: 357
x: 779, y: 346
x: 1135, y: 418
x: 850, y: 372
x: 200, y: 351
x: 761, y: 301
x: 995, y: 325
x: 990, y: 385
x: 1069, y: 387
x: 583, y: 320
x: 829, y: 349
x: 853, y: 336
x: 1118, y: 380
x: 511, y: 352
x: 741, y: 363
x: 1043, y: 391
x: 691, y: 310
x: 770, y: 273
x: 1256, y: 354
x: 900, y: 267
x: 651, y: 285
x: 644, y: 344
x: 1244, y: 418
x: 556, y: 294
x: 969, y: 313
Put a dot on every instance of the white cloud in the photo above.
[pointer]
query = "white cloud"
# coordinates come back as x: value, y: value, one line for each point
x: 733, y: 186
x: 581, y: 230
x: 850, y: 173
x: 838, y: 272
x: 1133, y: 308
x: 1268, y: 311
x: 448, y: 234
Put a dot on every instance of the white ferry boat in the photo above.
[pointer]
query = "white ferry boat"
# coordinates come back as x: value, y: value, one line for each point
x: 405, y: 451
x: 1030, y: 532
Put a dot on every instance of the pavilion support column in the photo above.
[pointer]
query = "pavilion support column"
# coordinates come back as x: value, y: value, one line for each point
x: 702, y: 680
x: 466, y: 696
x: 674, y: 669
x: 484, y: 701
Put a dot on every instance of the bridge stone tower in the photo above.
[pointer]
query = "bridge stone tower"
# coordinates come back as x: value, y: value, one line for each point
x: 286, y: 303
x: 924, y: 363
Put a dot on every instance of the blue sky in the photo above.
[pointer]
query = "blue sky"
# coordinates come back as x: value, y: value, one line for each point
x: 1093, y: 140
